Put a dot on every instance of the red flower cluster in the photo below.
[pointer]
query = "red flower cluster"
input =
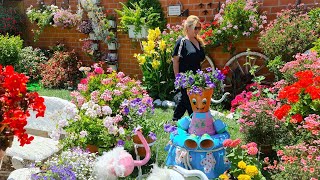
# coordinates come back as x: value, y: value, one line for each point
x: 299, y: 96
x: 15, y: 103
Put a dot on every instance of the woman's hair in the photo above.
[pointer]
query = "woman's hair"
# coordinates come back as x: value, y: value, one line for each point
x: 192, y: 21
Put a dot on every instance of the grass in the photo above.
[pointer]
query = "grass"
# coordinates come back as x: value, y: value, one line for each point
x: 161, y: 116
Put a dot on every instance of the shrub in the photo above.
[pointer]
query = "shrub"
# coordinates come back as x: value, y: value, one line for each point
x: 10, y: 21
x: 292, y: 32
x: 109, y: 106
x: 61, y: 71
x: 10, y: 47
x: 30, y: 61
x: 317, y: 46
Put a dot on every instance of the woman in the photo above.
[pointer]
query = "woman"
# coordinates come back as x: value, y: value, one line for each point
x: 188, y: 55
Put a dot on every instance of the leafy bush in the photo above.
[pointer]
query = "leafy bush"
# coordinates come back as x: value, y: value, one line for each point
x: 10, y: 21
x: 61, y: 71
x: 317, y: 46
x: 156, y: 8
x: 292, y: 32
x: 30, y: 61
x: 10, y: 47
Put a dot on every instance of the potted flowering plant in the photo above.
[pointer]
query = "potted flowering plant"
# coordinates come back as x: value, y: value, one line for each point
x: 14, y: 107
x: 65, y: 18
x: 85, y: 27
x: 136, y: 20
x: 236, y: 19
x: 42, y: 16
x: 244, y: 163
x: 199, y: 81
x: 100, y: 118
x: 112, y: 41
x: 111, y: 19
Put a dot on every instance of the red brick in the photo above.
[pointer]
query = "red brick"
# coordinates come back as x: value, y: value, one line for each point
x: 270, y: 2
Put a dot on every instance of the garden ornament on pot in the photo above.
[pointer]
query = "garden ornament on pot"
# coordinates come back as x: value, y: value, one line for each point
x: 198, y: 141
x: 118, y: 162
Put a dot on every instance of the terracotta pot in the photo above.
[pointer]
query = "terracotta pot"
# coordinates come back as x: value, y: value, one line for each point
x: 201, y: 103
x: 92, y: 148
x: 141, y: 150
x: 6, y: 137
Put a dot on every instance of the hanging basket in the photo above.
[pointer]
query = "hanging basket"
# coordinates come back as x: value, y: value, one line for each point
x: 140, y: 149
x: 201, y: 102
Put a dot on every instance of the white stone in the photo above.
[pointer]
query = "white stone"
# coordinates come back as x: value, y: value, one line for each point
x: 40, y: 149
x: 157, y: 102
x: 167, y: 103
x: 23, y: 174
x: 54, y: 112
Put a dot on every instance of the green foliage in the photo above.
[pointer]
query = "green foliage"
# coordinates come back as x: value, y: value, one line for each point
x: 10, y: 47
x: 61, y: 70
x: 30, y: 61
x: 317, y: 46
x: 156, y: 8
x: 274, y: 66
x: 10, y: 21
x: 292, y: 32
x: 42, y: 16
x: 138, y: 16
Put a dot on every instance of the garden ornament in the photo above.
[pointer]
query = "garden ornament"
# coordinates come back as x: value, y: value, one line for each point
x: 118, y: 162
x: 197, y: 144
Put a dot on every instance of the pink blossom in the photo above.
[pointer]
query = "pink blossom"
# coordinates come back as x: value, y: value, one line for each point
x: 98, y: 70
x: 120, y: 75
x: 227, y: 142
x: 280, y: 153
x: 252, y: 150
x: 106, y: 81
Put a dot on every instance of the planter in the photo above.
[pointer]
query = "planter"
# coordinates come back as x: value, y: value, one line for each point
x: 140, y: 149
x: 201, y: 103
x: 139, y: 35
x: 113, y: 45
x: 112, y: 23
x: 92, y: 148
x: 6, y: 137
x: 113, y: 67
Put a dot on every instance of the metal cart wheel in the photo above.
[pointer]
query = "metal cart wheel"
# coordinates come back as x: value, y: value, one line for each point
x: 239, y: 75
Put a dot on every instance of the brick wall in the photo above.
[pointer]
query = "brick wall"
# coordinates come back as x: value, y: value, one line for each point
x: 129, y: 65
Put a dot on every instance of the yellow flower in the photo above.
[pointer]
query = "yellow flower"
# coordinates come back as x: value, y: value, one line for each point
x: 157, y: 32
x: 242, y: 165
x: 149, y: 47
x: 141, y: 58
x: 251, y: 170
x: 162, y: 45
x: 224, y: 177
x: 244, y: 177
x: 151, y: 35
x: 155, y: 64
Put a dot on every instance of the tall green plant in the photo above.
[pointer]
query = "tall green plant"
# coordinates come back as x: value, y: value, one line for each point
x: 10, y: 47
x: 156, y: 66
x: 156, y: 8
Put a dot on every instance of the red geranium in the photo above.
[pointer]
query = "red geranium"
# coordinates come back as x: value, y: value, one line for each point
x: 301, y: 98
x: 15, y: 103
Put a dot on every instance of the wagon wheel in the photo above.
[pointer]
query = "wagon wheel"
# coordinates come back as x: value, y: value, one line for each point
x: 239, y: 75
x: 207, y: 63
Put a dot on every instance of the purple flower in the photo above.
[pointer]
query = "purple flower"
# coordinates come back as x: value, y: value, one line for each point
x: 169, y: 128
x: 152, y: 135
x: 120, y: 143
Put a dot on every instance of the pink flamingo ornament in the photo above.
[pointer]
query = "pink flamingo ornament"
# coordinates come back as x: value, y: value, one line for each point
x: 118, y: 162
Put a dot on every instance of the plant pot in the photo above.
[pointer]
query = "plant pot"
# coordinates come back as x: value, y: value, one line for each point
x: 112, y: 23
x: 140, y: 149
x: 201, y: 102
x: 6, y: 137
x: 139, y: 35
x: 113, y: 46
x: 92, y: 148
x: 113, y: 67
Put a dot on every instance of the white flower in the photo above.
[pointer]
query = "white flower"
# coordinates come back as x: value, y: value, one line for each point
x: 83, y: 134
x: 106, y: 110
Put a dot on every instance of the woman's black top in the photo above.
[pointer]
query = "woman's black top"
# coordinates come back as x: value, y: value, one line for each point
x: 191, y: 56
